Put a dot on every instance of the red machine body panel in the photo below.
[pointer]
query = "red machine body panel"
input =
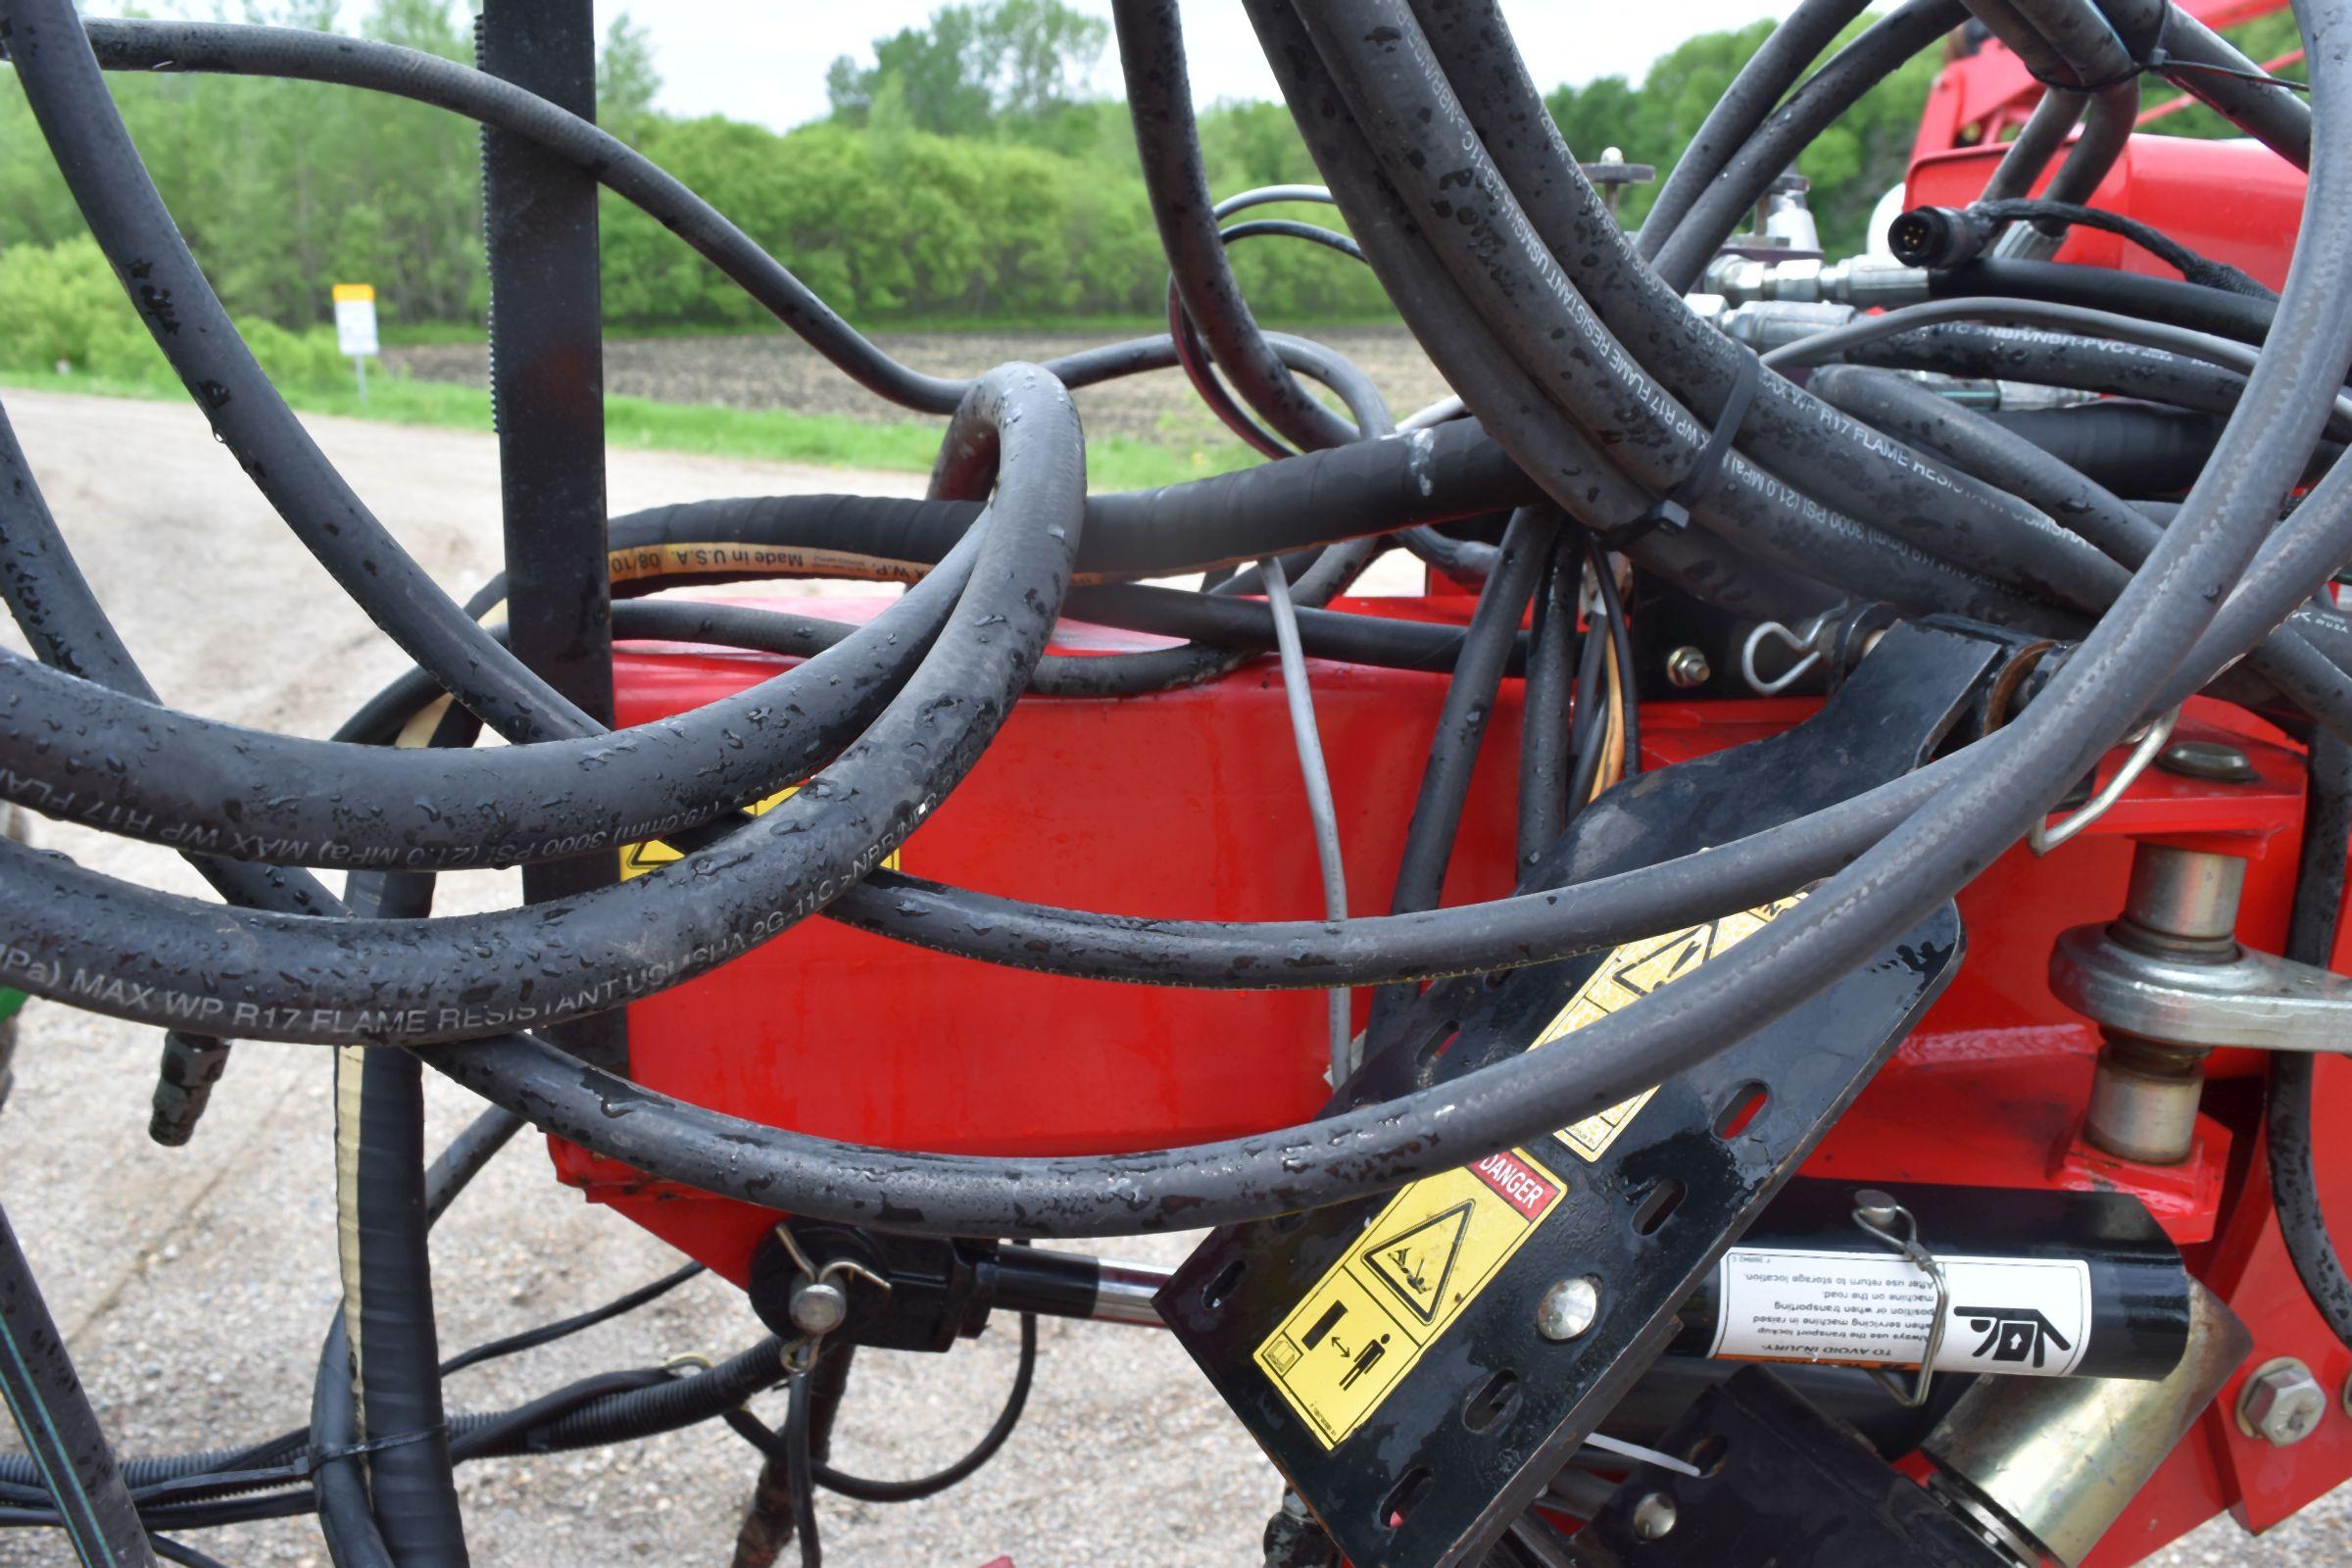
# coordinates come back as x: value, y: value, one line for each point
x: 2234, y: 201
x: 1189, y: 803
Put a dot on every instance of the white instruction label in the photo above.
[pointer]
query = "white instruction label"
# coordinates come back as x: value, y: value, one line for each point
x: 2027, y: 1316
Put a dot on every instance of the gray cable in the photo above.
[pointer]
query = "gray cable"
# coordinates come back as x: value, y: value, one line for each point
x: 1319, y: 808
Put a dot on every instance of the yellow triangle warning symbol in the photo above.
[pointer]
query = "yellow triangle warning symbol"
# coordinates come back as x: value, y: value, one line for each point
x: 1417, y: 1261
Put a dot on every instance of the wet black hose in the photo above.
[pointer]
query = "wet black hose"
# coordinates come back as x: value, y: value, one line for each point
x: 295, y: 979
x: 388, y: 1271
x: 2097, y: 695
x: 68, y: 93
x: 1741, y: 112
x: 2289, y: 1102
x: 1462, y: 730
x: 1543, y: 757
x: 1825, y: 97
x: 1168, y: 143
x: 2175, y: 301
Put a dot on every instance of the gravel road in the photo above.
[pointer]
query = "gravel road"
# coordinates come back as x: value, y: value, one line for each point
x: 194, y: 1284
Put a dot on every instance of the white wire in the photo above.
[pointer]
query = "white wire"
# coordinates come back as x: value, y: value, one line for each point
x: 1320, y: 808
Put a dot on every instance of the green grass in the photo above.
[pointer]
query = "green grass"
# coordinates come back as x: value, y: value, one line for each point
x: 776, y: 435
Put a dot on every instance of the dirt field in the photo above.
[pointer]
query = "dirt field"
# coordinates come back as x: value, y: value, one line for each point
x: 776, y: 372
x: 193, y: 1285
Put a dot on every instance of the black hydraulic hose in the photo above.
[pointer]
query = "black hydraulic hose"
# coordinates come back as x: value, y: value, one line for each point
x: 53, y: 605
x: 1557, y: 458
x: 65, y: 743
x: 2210, y: 69
x: 625, y: 1415
x: 1996, y: 453
x: 69, y: 747
x: 548, y: 1333
x: 68, y: 1448
x: 1607, y: 392
x: 1443, y: 474
x: 337, y: 1488
x: 1247, y: 623
x: 465, y: 1156
x: 1543, y: 756
x: 1531, y: 205
x: 2172, y: 300
x: 1779, y: 61
x: 2030, y: 152
x: 69, y: 96
x: 388, y: 1271
x: 2194, y: 268
x: 303, y: 55
x: 355, y: 981
x: 2289, y: 1102
x: 865, y: 1489
x: 380, y: 720
x: 2000, y: 455
x: 1159, y: 99
x: 2133, y: 449
x: 2068, y: 360
x: 1826, y: 96
x: 2090, y: 701
x: 1590, y: 733
x: 1461, y: 732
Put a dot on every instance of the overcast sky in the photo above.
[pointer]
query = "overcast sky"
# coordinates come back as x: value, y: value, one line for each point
x: 764, y: 61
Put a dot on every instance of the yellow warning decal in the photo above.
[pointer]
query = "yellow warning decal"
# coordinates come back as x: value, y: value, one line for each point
x: 1421, y: 1260
x: 638, y: 859
x: 1435, y: 1244
x: 1630, y: 974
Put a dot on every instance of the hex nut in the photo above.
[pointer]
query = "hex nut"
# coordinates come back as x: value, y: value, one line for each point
x: 1687, y: 666
x: 2281, y: 1404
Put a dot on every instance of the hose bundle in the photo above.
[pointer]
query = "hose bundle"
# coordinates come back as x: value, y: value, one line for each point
x: 1594, y: 393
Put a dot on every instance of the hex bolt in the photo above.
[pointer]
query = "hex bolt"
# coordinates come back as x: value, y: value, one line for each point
x: 1653, y: 1516
x: 1687, y: 666
x: 1568, y: 1308
x: 2281, y: 1404
x: 818, y: 1306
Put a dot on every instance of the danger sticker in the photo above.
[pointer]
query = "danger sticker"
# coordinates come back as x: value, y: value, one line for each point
x: 636, y: 859
x: 1429, y: 1253
x: 2023, y: 1317
x: 1423, y: 1258
x: 1633, y: 972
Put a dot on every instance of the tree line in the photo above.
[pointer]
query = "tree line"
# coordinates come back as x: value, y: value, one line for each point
x: 962, y: 175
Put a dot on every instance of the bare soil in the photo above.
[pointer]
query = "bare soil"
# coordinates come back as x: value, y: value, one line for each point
x: 775, y: 371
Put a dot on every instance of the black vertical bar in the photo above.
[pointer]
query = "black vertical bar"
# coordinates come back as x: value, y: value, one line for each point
x: 547, y: 390
x: 60, y: 1429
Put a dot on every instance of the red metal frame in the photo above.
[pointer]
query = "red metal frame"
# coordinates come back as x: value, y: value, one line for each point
x: 1981, y: 98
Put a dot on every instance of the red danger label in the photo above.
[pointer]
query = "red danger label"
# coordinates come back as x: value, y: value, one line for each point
x: 1515, y: 1181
